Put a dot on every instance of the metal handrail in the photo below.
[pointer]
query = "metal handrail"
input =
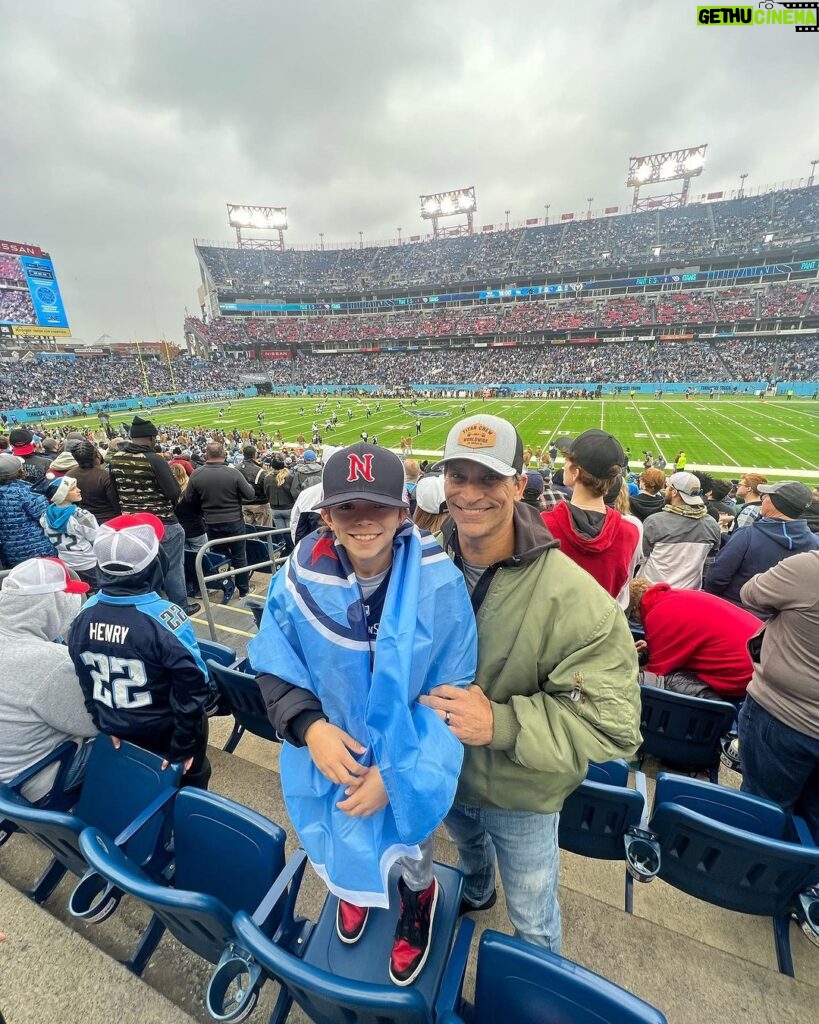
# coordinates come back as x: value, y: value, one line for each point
x: 202, y: 580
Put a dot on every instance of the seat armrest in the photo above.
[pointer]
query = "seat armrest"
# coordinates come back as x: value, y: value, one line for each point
x: 62, y: 754
x: 798, y: 831
x: 641, y: 787
x: 448, y: 1002
x: 291, y: 872
x: 142, y: 819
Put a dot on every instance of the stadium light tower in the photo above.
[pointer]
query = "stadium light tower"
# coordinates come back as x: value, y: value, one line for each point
x: 258, y: 218
x: 813, y: 164
x: 674, y: 165
x: 458, y: 201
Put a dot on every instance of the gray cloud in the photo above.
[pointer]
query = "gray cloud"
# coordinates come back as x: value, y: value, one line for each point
x: 129, y: 126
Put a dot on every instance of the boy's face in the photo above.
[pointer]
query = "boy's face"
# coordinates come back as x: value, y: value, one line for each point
x: 75, y: 494
x: 366, y: 530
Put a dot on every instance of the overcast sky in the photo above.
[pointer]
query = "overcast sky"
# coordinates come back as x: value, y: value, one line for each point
x: 127, y: 126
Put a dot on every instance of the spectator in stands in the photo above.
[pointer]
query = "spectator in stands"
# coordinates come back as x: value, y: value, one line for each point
x: 21, y: 535
x: 779, y: 721
x: 50, y: 448
x: 306, y: 474
x: 257, y: 511
x: 71, y: 529
x: 592, y: 534
x: 533, y: 491
x: 277, y: 489
x: 748, y: 494
x: 778, y: 533
x: 62, y: 464
x: 527, y: 747
x: 677, y: 540
x: 430, y: 502
x: 694, y: 644
x: 144, y: 483
x: 219, y: 490
x: 651, y: 496
x: 128, y: 643
x: 412, y: 471
x: 35, y: 465
x: 364, y: 686
x: 41, y: 704
x: 99, y: 495
x: 181, y: 460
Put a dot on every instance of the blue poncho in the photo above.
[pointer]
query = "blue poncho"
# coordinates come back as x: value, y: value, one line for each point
x: 314, y: 635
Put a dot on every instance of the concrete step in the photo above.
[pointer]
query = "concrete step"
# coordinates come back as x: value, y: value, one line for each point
x: 688, y: 958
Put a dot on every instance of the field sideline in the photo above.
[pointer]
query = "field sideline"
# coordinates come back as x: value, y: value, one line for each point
x: 723, y: 436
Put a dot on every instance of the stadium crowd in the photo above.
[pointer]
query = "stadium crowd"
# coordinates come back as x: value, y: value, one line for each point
x: 733, y: 227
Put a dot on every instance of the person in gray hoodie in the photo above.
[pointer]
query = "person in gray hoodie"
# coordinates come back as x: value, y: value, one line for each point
x: 41, y: 703
x: 777, y: 534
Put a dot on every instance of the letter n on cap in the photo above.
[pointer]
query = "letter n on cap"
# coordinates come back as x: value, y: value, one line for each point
x: 361, y: 468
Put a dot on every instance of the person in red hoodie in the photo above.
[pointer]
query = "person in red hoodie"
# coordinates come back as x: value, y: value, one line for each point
x: 695, y: 643
x: 595, y: 536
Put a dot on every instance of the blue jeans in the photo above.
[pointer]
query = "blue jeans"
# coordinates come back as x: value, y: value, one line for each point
x: 173, y: 544
x: 779, y: 763
x: 237, y: 549
x: 525, y: 844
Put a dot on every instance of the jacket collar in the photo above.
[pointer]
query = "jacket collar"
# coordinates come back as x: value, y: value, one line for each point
x: 531, y: 537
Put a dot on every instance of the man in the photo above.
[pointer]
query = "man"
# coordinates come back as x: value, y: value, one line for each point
x: 695, y: 643
x: 257, y: 511
x: 651, y: 496
x: 748, y: 494
x: 779, y: 721
x: 144, y: 483
x: 41, y: 704
x: 556, y: 684
x: 136, y: 655
x: 35, y: 465
x: 777, y: 534
x: 593, y: 535
x: 677, y: 540
x: 218, y: 490
x: 307, y: 473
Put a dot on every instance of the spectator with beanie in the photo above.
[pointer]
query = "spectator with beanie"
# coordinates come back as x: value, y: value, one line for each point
x: 99, y: 495
x: 592, y: 534
x: 256, y: 511
x: 71, y: 529
x: 677, y: 540
x: 35, y: 465
x: 21, y: 535
x: 144, y: 483
x: 307, y: 474
x: 367, y: 772
x: 41, y: 703
x: 218, y: 490
x: 694, y: 644
x: 777, y: 534
x: 533, y: 491
x: 136, y: 655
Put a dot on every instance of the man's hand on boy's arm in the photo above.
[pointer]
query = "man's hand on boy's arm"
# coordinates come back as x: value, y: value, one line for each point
x: 330, y: 749
x: 466, y: 710
x: 365, y: 795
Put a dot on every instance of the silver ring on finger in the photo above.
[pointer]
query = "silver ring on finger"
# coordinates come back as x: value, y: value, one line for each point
x: 447, y: 718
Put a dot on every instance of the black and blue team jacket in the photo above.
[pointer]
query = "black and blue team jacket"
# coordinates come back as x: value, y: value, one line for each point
x: 140, y: 669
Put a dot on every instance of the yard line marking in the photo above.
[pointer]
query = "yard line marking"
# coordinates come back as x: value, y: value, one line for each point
x: 602, y: 408
x: 728, y: 456
x: 752, y: 431
x: 657, y: 446
x: 785, y: 423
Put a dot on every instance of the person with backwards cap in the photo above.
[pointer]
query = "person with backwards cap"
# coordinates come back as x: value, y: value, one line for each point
x: 367, y: 615
x: 136, y: 654
x: 556, y: 685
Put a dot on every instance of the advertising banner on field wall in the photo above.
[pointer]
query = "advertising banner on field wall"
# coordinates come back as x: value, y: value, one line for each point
x: 75, y: 410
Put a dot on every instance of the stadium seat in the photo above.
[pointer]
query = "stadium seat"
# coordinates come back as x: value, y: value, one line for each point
x: 684, y: 732
x: 240, y: 693
x: 739, y: 852
x: 125, y: 795
x: 227, y: 858
x: 213, y: 562
x: 222, y: 655
x: 58, y: 797
x: 605, y: 819
x: 258, y: 612
x: 524, y: 984
x: 335, y: 983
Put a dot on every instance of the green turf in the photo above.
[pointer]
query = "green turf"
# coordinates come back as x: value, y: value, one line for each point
x: 726, y: 434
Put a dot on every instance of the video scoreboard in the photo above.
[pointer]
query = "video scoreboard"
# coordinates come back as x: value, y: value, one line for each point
x: 30, y: 301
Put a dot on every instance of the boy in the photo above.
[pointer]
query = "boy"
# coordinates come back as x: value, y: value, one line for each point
x: 368, y: 615
x: 136, y: 655
x: 71, y: 529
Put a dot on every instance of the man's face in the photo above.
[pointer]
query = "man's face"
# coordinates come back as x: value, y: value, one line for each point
x: 480, y: 500
x: 767, y: 508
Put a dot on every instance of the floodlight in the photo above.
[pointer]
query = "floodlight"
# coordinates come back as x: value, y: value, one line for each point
x: 643, y: 172
x: 278, y: 219
x: 668, y: 169
x: 258, y: 219
x: 447, y: 205
x: 431, y: 206
x: 694, y: 161
x: 466, y: 201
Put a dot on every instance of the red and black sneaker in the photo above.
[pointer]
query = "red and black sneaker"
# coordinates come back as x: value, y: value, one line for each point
x: 413, y: 935
x: 350, y: 921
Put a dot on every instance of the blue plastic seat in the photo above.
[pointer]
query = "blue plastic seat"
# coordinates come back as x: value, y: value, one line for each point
x: 739, y: 852
x: 58, y: 798
x: 683, y: 730
x: 226, y: 858
x: 125, y: 795
x: 524, y: 984
x: 240, y: 694
x: 605, y: 819
x: 336, y: 983
x: 258, y: 612
x: 220, y: 653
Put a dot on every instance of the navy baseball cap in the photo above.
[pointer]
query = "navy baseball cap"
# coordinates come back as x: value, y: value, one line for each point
x: 363, y: 472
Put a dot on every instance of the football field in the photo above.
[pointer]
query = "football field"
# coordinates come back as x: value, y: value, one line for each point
x: 723, y: 435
